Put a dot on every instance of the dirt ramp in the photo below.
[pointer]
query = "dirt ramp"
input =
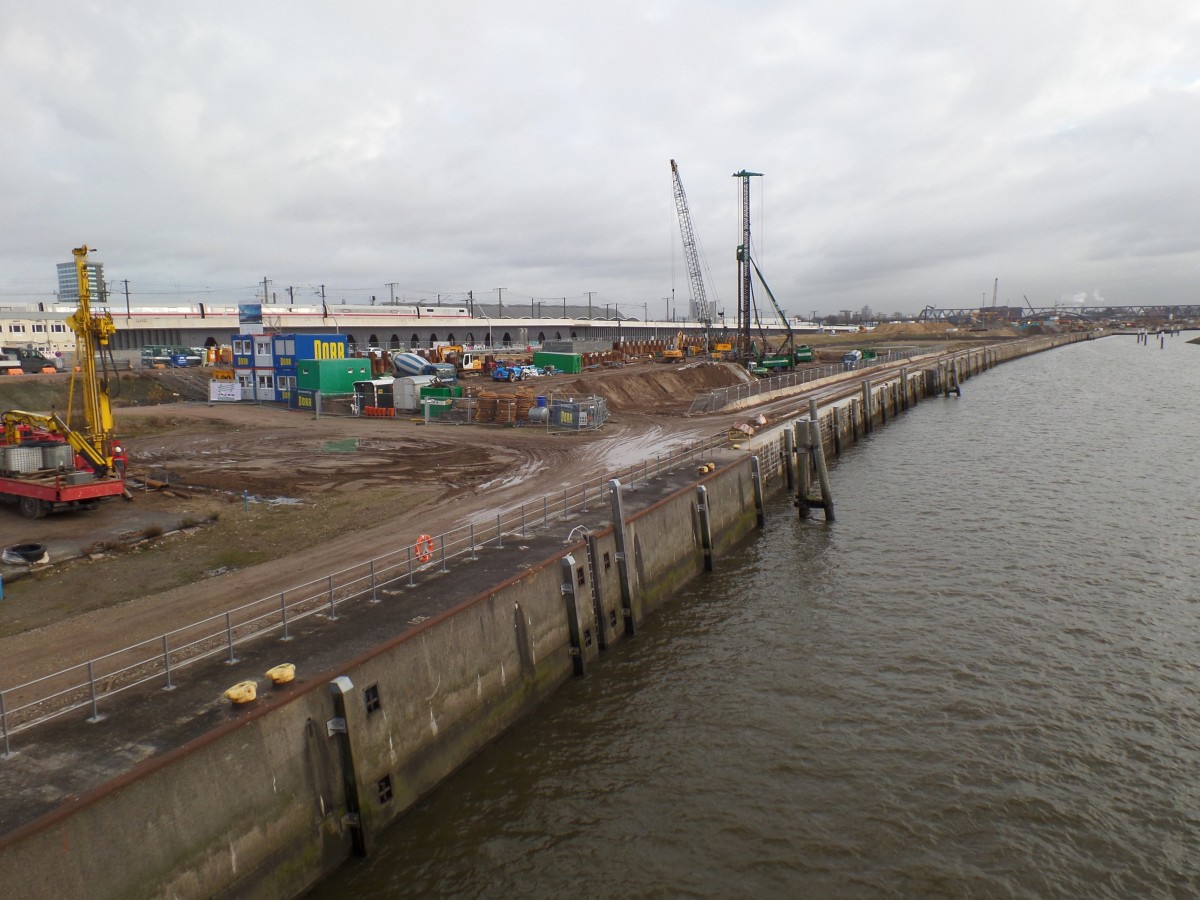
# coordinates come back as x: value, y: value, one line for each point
x: 653, y: 387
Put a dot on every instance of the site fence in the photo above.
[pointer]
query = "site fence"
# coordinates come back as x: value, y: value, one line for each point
x: 163, y: 659
x: 554, y: 413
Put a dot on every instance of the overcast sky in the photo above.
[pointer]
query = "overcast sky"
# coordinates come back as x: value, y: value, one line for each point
x: 911, y: 152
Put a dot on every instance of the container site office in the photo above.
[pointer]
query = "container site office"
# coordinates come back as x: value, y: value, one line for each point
x: 268, y: 366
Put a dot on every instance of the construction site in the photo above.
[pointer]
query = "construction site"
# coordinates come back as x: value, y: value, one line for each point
x: 140, y: 497
x: 161, y: 524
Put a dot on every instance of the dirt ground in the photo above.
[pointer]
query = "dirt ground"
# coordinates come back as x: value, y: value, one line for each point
x: 264, y: 498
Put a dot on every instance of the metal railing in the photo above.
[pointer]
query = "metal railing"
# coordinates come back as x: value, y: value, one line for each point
x: 159, y: 660
x: 716, y: 400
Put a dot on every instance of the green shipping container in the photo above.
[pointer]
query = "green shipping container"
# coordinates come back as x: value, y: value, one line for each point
x: 437, y: 399
x: 442, y: 391
x: 331, y: 376
x: 571, y: 363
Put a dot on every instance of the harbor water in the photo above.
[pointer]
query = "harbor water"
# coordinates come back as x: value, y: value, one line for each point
x: 983, y: 680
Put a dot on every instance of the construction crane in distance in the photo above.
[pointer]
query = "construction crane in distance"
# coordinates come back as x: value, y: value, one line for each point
x: 701, y: 309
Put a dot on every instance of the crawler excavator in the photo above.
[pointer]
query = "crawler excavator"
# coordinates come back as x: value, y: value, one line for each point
x: 46, y: 465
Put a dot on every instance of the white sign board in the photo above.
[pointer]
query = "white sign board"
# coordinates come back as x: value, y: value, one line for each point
x: 224, y: 390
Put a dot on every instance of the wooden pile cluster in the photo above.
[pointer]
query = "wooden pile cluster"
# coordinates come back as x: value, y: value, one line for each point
x: 505, y: 408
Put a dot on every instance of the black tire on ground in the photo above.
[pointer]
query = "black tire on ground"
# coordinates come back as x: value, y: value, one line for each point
x: 28, y: 552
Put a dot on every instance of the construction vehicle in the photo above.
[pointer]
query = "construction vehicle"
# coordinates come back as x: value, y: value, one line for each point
x: 788, y: 354
x: 458, y: 356
x: 675, y: 352
x: 470, y: 361
x: 409, y: 363
x: 46, y: 465
x: 27, y: 360
x: 509, y: 372
x: 783, y: 359
x: 171, y: 356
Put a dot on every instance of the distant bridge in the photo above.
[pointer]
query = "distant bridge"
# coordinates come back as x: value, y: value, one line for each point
x: 1089, y: 313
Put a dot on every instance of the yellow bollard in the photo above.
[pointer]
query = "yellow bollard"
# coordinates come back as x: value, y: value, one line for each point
x: 282, y: 674
x: 242, y: 692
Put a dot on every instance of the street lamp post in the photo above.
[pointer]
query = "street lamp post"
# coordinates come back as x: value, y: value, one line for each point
x: 488, y: 339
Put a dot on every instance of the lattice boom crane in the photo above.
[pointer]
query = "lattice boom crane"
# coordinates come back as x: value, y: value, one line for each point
x: 700, y: 309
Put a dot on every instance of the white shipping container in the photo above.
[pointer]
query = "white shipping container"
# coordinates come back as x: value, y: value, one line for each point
x: 407, y: 391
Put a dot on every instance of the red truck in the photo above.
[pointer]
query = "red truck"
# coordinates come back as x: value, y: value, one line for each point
x: 41, y: 472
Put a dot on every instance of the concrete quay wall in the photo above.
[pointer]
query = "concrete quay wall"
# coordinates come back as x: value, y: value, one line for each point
x: 270, y: 803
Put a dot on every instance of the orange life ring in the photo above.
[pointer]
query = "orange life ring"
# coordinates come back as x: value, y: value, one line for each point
x: 423, y: 549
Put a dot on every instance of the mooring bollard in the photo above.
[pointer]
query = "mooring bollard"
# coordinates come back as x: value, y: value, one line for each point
x: 574, y: 624
x: 822, y: 473
x: 760, y: 512
x: 706, y: 542
x: 789, y: 453
x: 804, y: 472
x: 618, y: 520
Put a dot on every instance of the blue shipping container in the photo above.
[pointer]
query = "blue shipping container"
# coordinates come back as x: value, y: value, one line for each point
x: 288, y: 349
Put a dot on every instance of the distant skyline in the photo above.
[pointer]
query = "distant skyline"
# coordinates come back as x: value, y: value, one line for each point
x: 911, y: 153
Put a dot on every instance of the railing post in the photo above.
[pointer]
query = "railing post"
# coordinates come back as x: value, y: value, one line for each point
x: 167, y: 664
x: 410, y: 566
x: 283, y: 615
x: 228, y: 639
x: 4, y: 727
x: 499, y: 533
x: 95, y: 716
x: 442, y: 537
x: 374, y: 592
x: 472, y: 526
x: 332, y: 608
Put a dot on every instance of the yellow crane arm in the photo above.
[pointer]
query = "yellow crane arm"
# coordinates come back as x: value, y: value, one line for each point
x: 91, y: 338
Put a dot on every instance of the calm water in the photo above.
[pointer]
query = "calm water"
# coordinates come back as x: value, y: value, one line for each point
x: 983, y: 680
